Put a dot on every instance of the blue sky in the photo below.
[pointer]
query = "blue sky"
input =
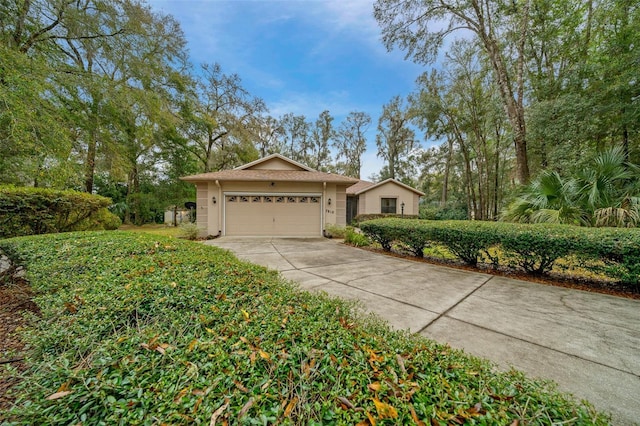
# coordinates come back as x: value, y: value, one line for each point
x: 301, y: 56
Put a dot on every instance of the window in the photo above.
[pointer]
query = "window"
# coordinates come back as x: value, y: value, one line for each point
x: 388, y: 205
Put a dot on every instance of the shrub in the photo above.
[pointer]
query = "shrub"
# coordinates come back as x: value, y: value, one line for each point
x: 102, y: 220
x: 189, y: 231
x: 466, y: 239
x: 382, y: 231
x: 372, y: 216
x: 532, y: 247
x: 141, y: 329
x: 29, y: 211
x: 335, y: 231
x: 351, y: 236
x: 536, y: 247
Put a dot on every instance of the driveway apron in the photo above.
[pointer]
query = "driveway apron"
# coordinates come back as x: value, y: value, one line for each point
x: 586, y: 342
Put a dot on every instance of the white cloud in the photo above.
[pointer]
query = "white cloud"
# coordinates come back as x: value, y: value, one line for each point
x: 312, y: 104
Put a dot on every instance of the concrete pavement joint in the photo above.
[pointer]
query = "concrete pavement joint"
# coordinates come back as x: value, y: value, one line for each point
x: 455, y: 304
x: 367, y: 291
x: 281, y: 255
x: 541, y: 346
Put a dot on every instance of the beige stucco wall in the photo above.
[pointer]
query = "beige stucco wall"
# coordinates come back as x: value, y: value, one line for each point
x: 275, y: 164
x: 211, y: 216
x: 369, y: 202
x: 202, y: 208
x: 341, y: 205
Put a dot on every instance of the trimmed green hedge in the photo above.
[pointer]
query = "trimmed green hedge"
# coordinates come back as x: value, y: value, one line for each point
x: 142, y: 329
x: 29, y: 211
x: 372, y: 216
x: 532, y: 247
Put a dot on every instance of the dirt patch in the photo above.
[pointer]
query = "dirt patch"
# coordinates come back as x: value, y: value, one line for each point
x: 15, y: 300
x: 603, y: 287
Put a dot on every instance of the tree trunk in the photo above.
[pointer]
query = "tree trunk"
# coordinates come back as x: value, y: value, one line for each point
x: 513, y: 107
x: 90, y: 163
x: 447, y: 167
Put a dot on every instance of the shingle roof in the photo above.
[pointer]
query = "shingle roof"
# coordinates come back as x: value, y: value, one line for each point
x: 270, y: 175
x: 358, y: 187
x: 364, y: 186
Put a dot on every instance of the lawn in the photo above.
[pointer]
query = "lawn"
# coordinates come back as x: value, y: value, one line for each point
x: 145, y: 329
x: 155, y: 229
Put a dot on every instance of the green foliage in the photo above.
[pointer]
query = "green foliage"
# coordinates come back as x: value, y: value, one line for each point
x: 605, y: 194
x: 371, y: 216
x: 101, y: 220
x: 140, y: 329
x: 354, y: 238
x: 335, y: 231
x: 533, y: 247
x: 28, y: 211
x: 189, y: 231
x: 443, y: 213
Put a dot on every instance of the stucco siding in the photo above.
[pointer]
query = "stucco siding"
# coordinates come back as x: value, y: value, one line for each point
x: 275, y: 164
x: 202, y: 208
x: 373, y: 197
x: 341, y: 205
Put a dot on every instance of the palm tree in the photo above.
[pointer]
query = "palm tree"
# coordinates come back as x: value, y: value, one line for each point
x: 547, y: 199
x: 611, y: 190
x: 606, y: 195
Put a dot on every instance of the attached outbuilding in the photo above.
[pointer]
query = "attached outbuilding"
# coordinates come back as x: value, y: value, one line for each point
x: 272, y: 196
x: 388, y: 197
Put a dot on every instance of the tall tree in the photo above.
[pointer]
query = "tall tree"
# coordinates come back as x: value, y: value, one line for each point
x: 295, y: 130
x: 395, y: 140
x: 216, y: 118
x: 501, y: 29
x: 267, y: 133
x: 351, y: 142
x: 317, y: 153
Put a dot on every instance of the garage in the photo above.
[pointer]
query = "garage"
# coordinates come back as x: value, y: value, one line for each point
x: 273, y: 196
x: 292, y: 215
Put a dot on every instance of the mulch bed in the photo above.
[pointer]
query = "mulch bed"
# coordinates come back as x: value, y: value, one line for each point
x: 594, y: 286
x: 15, y: 300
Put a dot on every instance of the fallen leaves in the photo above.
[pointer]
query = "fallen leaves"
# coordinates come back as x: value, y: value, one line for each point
x: 385, y: 411
x: 58, y: 395
x: 218, y: 413
x: 290, y: 406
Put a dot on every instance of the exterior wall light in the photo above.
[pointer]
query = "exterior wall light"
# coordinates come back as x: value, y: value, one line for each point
x: 329, y: 201
x: 402, y: 209
x: 214, y: 199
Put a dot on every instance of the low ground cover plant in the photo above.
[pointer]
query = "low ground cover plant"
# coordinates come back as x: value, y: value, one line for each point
x: 142, y: 329
x: 534, y: 248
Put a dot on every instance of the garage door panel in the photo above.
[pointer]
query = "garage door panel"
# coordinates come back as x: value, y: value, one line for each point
x: 277, y: 215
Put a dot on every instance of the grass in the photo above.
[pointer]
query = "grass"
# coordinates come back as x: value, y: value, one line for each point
x: 155, y: 229
x: 145, y: 329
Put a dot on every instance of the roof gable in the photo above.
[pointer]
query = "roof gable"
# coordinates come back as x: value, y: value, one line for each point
x: 274, y: 168
x: 275, y: 162
x: 362, y: 187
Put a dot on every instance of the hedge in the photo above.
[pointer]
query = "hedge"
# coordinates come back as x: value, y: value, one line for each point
x: 371, y: 216
x: 29, y: 211
x: 533, y: 247
x: 142, y: 329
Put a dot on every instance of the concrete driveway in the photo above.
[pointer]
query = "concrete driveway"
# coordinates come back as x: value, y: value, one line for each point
x: 588, y: 343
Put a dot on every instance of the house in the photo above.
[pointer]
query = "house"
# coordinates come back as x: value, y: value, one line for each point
x: 276, y: 196
x: 389, y: 196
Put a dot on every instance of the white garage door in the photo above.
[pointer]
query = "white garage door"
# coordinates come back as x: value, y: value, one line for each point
x: 286, y: 215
